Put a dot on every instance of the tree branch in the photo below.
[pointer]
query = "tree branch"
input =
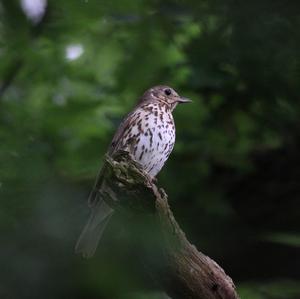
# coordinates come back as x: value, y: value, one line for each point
x: 188, y: 273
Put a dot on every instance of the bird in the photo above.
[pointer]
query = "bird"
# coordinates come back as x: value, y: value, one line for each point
x: 148, y: 135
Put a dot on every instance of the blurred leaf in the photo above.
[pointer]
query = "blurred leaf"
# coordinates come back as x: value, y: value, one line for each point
x: 275, y: 290
x: 289, y: 239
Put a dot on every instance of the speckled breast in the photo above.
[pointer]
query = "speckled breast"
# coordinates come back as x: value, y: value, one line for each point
x: 150, y: 137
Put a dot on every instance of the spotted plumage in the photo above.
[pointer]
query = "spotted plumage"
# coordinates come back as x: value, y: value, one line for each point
x: 148, y: 142
x: 148, y: 134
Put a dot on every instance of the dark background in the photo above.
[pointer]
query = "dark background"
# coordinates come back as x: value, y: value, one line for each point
x: 69, y: 75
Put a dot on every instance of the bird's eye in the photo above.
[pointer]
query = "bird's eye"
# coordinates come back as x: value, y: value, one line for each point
x: 168, y: 91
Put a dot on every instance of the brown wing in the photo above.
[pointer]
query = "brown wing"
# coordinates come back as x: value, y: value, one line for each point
x: 114, y: 146
x: 116, y: 141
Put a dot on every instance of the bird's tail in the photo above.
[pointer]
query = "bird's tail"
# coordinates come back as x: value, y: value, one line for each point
x: 88, y: 240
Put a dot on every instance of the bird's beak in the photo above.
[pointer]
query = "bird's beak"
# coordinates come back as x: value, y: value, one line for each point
x: 183, y: 100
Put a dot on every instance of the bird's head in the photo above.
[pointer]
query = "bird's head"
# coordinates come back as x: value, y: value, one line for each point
x: 165, y: 95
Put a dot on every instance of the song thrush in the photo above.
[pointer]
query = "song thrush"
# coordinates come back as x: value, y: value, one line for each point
x: 148, y: 134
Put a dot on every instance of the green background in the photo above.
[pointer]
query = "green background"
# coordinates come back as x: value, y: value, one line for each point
x: 232, y: 179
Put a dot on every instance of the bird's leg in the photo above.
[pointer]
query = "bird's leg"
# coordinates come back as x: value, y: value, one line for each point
x: 154, y: 180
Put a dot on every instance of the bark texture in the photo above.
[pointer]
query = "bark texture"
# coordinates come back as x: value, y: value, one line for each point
x: 187, y: 273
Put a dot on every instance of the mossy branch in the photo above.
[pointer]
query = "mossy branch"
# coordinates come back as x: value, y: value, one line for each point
x: 189, y: 274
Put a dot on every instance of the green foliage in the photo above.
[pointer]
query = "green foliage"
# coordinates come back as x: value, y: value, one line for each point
x: 235, y: 163
x: 278, y: 289
x: 289, y: 239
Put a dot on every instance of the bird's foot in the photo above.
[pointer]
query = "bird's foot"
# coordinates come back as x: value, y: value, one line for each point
x: 154, y: 180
